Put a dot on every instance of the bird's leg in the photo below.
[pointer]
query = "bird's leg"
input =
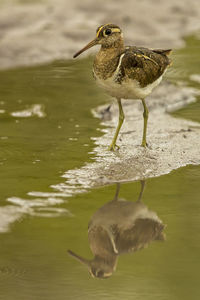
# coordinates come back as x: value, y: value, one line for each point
x: 145, y: 116
x: 120, y: 122
x: 117, y: 191
x: 142, y: 182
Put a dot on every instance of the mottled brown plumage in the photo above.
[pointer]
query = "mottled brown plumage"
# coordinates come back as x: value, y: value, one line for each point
x: 143, y: 65
x: 126, y: 72
x: 139, y: 63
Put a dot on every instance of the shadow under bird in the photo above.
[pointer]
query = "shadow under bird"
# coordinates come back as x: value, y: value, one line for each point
x: 116, y: 228
x: 126, y: 72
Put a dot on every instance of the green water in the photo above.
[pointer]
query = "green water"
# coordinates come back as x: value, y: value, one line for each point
x: 36, y: 151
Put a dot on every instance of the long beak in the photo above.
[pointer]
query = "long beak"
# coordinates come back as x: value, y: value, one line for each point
x: 91, y: 44
x: 79, y: 258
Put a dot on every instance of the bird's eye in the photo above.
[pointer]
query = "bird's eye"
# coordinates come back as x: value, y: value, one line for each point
x: 108, y: 31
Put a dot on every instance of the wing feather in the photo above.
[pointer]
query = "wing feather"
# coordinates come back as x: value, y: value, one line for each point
x: 143, y: 65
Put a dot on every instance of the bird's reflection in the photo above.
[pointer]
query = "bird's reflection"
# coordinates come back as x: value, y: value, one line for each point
x: 119, y: 227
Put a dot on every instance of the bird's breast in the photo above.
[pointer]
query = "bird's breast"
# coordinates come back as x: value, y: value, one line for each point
x: 127, y: 88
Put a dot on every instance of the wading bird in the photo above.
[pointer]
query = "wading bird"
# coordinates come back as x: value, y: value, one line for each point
x: 126, y: 72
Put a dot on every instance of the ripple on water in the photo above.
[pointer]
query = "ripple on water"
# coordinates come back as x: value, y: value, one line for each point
x: 10, y: 271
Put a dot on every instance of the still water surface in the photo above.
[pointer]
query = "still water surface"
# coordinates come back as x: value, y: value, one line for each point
x: 46, y: 129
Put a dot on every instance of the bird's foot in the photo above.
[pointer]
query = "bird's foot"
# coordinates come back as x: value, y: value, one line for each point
x: 144, y: 144
x: 113, y: 147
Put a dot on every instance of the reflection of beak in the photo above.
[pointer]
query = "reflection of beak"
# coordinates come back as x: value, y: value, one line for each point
x: 91, y: 44
x: 79, y: 258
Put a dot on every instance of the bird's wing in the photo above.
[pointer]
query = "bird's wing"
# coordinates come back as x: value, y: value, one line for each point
x: 139, y: 235
x: 143, y: 65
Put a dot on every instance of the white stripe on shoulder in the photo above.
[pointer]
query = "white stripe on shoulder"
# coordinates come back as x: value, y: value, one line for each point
x: 119, y: 65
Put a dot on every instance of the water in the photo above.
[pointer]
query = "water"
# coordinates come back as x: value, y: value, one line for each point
x: 46, y: 129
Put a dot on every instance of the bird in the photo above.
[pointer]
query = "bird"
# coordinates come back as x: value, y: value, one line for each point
x: 126, y: 72
x: 119, y: 227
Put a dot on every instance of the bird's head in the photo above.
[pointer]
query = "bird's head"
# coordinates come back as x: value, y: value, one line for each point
x: 108, y: 35
x: 97, y: 267
x: 99, y: 273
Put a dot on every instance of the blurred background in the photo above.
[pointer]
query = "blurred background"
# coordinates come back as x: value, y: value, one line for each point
x: 48, y: 133
x: 37, y: 31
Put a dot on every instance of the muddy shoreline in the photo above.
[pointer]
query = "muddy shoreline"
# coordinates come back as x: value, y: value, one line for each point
x: 170, y: 142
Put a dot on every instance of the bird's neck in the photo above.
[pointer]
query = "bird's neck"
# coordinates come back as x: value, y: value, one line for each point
x: 107, y: 59
x: 110, y: 260
x: 112, y: 50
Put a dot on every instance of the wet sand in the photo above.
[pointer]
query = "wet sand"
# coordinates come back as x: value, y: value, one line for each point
x: 170, y: 142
